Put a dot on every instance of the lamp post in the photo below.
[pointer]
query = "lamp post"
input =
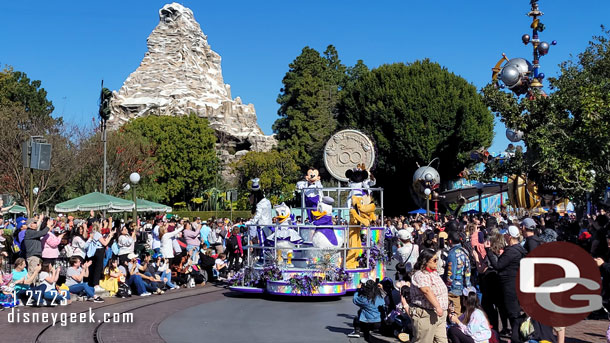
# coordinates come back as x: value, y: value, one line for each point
x: 134, y: 178
x: 589, y: 205
x: 126, y: 188
x: 435, y: 197
x: 479, y: 187
x: 427, y: 192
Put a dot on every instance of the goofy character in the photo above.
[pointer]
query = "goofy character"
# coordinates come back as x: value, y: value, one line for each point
x: 362, y: 213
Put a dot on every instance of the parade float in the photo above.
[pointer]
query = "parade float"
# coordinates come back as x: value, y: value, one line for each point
x: 340, y: 244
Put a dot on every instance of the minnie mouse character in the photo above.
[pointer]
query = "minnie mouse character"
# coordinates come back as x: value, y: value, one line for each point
x: 360, y: 180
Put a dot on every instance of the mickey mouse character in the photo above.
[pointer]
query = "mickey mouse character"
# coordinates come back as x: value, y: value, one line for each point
x: 311, y: 190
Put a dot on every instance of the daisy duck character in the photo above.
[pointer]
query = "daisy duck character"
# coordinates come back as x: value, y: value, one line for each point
x: 325, y: 237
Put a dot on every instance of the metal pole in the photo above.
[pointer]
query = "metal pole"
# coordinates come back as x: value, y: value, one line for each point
x: 480, y: 191
x: 428, y: 206
x: 135, y: 205
x: 436, y: 209
x: 31, y: 193
x: 104, y: 140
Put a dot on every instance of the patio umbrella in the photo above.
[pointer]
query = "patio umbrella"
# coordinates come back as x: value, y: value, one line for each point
x: 16, y: 209
x: 148, y: 206
x: 418, y: 211
x: 95, y: 201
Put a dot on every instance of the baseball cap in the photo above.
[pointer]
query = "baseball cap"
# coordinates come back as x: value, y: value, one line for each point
x: 404, y: 235
x: 528, y: 223
x: 30, y: 221
x: 132, y: 256
x: 513, y: 231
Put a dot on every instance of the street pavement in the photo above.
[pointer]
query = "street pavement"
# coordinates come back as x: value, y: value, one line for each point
x: 249, y: 319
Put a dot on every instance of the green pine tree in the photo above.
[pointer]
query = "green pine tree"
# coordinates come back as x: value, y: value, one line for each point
x: 308, y: 102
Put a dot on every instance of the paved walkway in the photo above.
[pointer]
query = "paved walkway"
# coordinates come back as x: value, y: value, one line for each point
x: 147, y: 312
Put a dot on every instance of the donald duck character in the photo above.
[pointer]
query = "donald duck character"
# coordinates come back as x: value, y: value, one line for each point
x: 285, y: 236
x: 325, y: 237
x: 311, y: 190
x: 362, y: 213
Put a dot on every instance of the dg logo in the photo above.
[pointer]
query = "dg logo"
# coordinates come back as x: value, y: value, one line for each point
x: 559, y: 284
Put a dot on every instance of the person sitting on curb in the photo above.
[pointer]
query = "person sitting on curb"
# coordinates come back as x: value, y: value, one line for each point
x: 74, y: 280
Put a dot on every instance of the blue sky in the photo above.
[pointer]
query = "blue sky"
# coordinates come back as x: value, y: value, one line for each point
x: 71, y: 45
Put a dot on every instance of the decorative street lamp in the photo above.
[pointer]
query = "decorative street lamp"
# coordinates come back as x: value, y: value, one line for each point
x: 134, y: 178
x: 518, y: 74
x: 425, y: 180
x: 427, y: 192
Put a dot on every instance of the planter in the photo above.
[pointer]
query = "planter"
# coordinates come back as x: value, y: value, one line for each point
x: 326, y: 289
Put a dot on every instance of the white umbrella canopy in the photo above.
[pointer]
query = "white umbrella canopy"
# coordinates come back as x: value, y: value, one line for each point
x: 95, y: 201
x: 149, y: 206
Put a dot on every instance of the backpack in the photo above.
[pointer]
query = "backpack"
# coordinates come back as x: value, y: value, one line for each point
x: 124, y: 290
x: 231, y: 243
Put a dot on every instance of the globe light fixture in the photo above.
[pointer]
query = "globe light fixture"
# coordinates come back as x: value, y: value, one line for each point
x: 134, y: 178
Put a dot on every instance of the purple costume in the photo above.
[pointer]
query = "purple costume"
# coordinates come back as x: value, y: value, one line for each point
x: 311, y: 202
x: 327, y: 231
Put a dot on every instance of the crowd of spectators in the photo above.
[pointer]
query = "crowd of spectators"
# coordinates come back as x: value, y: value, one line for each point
x: 455, y: 279
x: 456, y: 276
x: 46, y: 261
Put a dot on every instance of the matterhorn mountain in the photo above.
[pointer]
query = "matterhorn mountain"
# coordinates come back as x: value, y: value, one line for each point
x: 180, y: 74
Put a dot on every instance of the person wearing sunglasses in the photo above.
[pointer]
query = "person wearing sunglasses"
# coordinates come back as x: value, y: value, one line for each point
x: 429, y: 300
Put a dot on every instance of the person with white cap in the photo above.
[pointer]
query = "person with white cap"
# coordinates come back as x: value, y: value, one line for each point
x: 508, y: 268
x: 407, y: 251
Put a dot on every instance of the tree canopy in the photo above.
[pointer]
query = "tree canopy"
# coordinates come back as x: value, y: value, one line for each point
x: 308, y: 104
x: 414, y: 113
x: 25, y: 111
x: 567, y: 133
x: 278, y: 173
x: 17, y: 89
x: 126, y: 152
x: 184, y: 153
